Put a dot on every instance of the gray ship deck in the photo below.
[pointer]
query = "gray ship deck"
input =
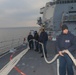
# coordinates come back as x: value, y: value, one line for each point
x: 32, y: 63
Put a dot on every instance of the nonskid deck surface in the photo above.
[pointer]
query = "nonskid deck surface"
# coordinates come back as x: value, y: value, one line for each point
x: 32, y: 63
x: 6, y: 58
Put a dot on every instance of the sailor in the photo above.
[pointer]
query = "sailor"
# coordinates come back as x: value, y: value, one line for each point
x: 43, y: 39
x: 66, y: 40
x: 36, y: 37
x: 40, y: 46
x: 30, y: 40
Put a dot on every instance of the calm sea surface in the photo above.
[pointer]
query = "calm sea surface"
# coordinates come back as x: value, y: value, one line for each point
x: 12, y: 37
x: 13, y: 33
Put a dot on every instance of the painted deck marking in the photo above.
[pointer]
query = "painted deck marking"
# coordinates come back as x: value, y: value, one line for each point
x: 9, y: 66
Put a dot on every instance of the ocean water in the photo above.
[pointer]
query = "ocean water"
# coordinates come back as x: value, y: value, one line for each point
x: 13, y: 37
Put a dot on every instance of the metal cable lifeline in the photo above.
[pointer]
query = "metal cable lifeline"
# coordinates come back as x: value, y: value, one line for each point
x: 56, y: 56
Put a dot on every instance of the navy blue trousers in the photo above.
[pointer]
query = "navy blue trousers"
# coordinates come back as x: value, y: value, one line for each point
x: 40, y: 47
x: 37, y: 46
x: 45, y: 50
x: 31, y: 45
x: 45, y: 43
x: 66, y: 65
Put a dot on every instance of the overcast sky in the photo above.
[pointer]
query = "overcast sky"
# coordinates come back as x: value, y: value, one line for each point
x: 19, y: 13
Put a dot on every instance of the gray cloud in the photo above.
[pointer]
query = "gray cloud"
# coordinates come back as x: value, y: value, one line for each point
x: 19, y: 12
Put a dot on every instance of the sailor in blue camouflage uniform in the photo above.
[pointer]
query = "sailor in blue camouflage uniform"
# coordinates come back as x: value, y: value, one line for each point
x: 65, y: 41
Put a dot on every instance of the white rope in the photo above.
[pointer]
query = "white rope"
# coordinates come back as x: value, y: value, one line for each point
x: 45, y: 56
x: 56, y: 56
x: 71, y: 56
x: 57, y: 66
x: 9, y: 66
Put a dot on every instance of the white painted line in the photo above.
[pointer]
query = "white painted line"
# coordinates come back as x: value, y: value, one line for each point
x: 57, y: 66
x: 9, y: 66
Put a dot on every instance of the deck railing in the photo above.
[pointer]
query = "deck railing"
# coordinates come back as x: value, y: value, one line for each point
x: 6, y: 45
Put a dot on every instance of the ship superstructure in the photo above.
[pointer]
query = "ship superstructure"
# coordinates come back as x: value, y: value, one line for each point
x: 57, y: 13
